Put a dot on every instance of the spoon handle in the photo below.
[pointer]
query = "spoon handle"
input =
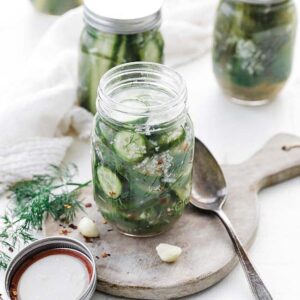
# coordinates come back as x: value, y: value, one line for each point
x: 258, y: 288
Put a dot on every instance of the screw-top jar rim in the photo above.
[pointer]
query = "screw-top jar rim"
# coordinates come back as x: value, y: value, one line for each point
x: 52, y: 243
x: 144, y: 19
x: 153, y: 75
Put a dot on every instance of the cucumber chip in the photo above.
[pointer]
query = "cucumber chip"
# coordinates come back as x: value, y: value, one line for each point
x: 130, y: 146
x: 184, y: 192
x: 109, y: 182
x: 151, y: 52
x: 106, y: 132
x: 153, y: 47
x: 171, y: 138
x: 138, y: 105
x: 183, y: 176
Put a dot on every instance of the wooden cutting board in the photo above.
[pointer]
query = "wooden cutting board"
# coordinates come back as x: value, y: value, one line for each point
x: 133, y: 268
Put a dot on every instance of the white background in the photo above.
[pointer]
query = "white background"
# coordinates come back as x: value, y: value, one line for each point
x: 233, y: 133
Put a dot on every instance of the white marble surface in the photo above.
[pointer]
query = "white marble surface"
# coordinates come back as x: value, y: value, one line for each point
x: 232, y: 132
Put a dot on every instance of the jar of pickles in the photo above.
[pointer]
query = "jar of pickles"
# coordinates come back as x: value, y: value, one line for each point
x: 55, y: 7
x: 116, y: 32
x: 143, y: 147
x: 253, y: 48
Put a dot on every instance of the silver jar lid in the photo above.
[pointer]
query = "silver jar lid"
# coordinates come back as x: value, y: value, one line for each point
x: 123, y: 17
x: 52, y: 243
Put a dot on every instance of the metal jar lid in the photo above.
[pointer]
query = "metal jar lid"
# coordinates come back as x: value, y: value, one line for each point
x: 50, y: 244
x: 123, y: 17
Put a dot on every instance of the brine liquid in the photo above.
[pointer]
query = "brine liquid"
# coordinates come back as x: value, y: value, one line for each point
x: 142, y: 159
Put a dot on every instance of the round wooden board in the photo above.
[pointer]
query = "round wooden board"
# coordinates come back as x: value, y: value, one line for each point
x: 133, y: 268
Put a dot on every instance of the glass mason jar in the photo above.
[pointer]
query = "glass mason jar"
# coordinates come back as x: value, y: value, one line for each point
x: 108, y: 42
x: 143, y: 147
x: 55, y: 7
x: 253, y: 48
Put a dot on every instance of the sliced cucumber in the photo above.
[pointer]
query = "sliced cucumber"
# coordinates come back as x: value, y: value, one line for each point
x: 104, y: 154
x: 91, y: 69
x: 182, y: 153
x: 184, y: 192
x: 106, y: 45
x: 183, y: 175
x: 96, y: 59
x: 171, y: 138
x: 152, y: 49
x: 119, y: 57
x: 143, y: 190
x: 130, y: 146
x: 139, y: 105
x: 132, y: 47
x: 107, y: 133
x: 109, y: 182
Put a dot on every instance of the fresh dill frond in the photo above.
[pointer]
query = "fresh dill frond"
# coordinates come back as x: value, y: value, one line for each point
x: 4, y: 260
x: 32, y: 200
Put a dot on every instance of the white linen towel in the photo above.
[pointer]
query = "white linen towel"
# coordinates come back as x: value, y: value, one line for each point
x: 36, y: 115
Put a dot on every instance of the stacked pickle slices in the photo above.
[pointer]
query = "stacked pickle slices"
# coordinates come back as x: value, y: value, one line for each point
x: 102, y: 51
x: 142, y: 182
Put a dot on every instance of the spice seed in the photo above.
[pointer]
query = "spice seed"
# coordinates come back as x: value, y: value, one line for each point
x: 105, y: 254
x: 72, y: 226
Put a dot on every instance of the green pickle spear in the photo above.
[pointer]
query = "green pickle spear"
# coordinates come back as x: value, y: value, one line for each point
x: 103, y: 51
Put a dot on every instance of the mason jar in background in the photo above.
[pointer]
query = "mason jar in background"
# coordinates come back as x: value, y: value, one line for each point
x: 116, y: 32
x: 253, y: 48
x: 143, y: 147
x: 55, y: 7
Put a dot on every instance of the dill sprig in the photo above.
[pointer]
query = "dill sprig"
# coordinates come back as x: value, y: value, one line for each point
x: 4, y: 260
x: 55, y: 195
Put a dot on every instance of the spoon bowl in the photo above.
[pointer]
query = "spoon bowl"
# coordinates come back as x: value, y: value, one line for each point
x: 209, y: 184
x: 209, y: 194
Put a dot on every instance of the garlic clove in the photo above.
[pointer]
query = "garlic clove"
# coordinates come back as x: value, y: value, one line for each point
x: 168, y: 253
x: 88, y: 228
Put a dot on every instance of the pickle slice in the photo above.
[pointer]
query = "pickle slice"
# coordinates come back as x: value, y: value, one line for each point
x: 130, y: 146
x: 109, y: 182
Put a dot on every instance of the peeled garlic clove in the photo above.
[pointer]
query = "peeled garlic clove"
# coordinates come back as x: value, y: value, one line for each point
x: 168, y: 253
x: 88, y: 228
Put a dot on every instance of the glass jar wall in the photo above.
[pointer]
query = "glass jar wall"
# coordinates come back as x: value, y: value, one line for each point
x: 253, y: 48
x: 55, y: 7
x: 108, y: 42
x: 143, y: 146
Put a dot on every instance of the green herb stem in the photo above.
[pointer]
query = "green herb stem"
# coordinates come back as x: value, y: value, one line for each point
x: 34, y: 199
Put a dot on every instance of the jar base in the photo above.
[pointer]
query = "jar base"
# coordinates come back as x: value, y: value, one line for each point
x: 141, y: 235
x: 244, y: 102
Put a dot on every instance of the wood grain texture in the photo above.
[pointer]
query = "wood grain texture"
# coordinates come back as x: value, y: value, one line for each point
x: 135, y: 271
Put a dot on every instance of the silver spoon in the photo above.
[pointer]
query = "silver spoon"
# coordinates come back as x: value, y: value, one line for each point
x: 209, y: 194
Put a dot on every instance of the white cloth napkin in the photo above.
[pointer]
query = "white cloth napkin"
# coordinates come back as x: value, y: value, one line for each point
x: 38, y: 112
